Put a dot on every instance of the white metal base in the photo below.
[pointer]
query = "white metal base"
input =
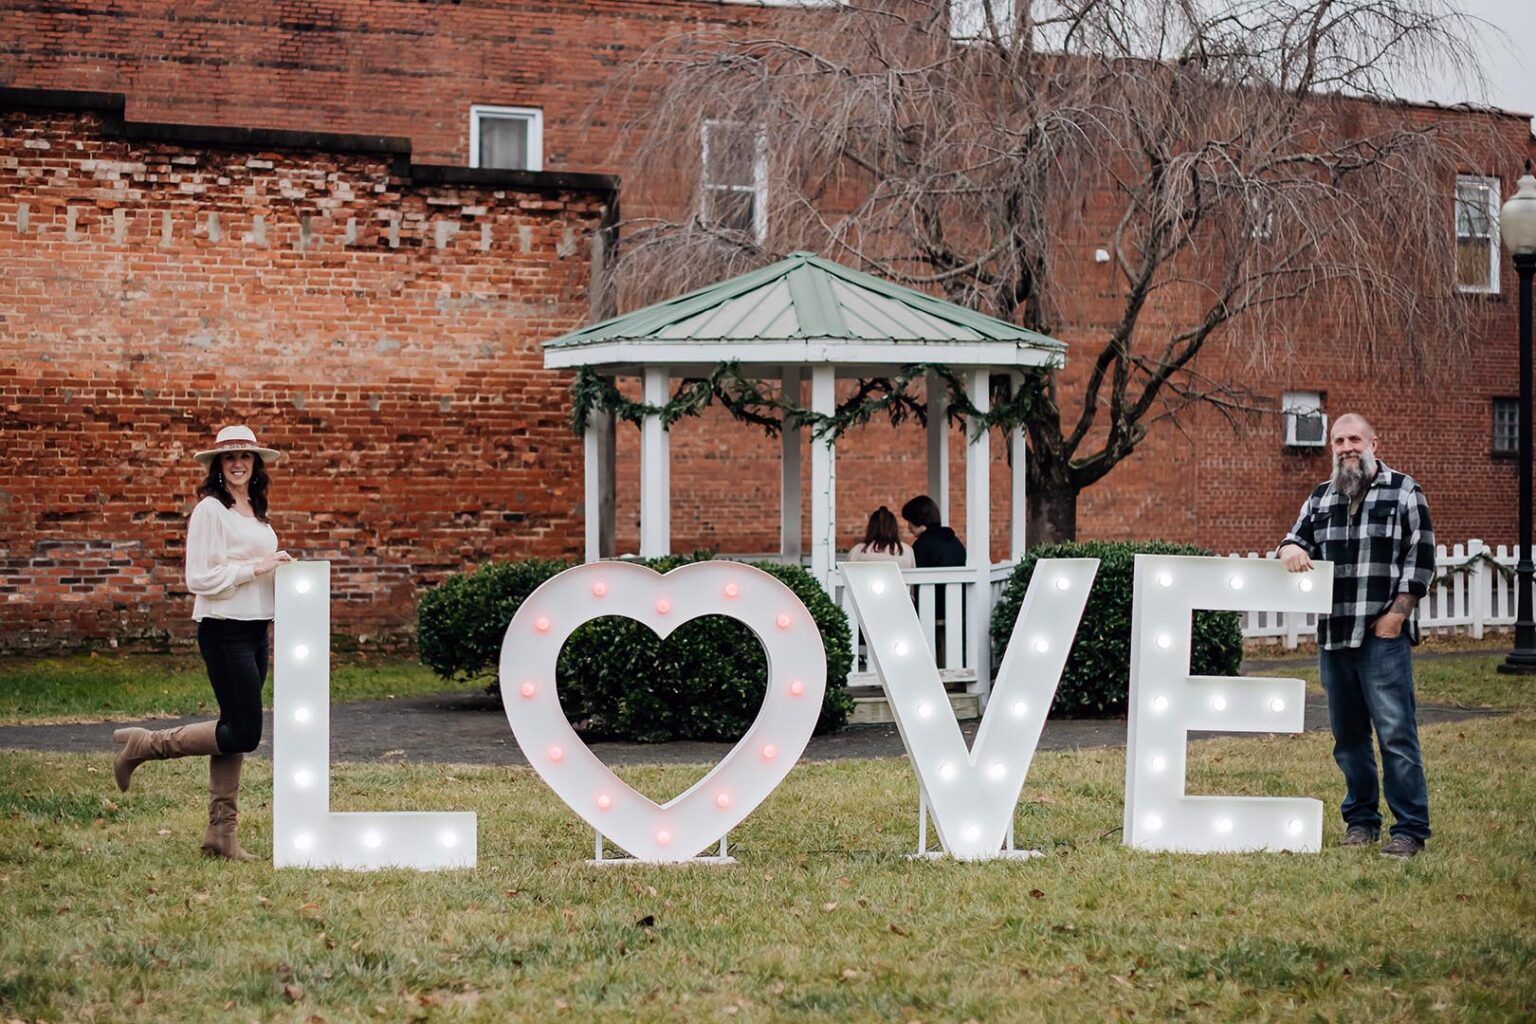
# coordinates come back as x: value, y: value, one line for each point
x: 598, y: 859
x: 923, y: 853
x: 1009, y: 854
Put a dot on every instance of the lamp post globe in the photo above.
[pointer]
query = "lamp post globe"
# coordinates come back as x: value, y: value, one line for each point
x: 1517, y: 228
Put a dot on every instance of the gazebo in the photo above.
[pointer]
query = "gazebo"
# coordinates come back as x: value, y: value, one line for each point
x: 808, y: 316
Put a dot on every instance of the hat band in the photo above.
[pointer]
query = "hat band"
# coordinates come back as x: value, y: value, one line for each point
x: 237, y: 444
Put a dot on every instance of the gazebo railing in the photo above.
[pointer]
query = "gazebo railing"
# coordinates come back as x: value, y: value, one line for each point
x: 932, y: 590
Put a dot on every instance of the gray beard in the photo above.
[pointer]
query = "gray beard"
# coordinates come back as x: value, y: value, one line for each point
x: 1352, y: 478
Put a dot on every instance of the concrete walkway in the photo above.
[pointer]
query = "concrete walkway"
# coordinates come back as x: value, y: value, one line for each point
x: 470, y: 728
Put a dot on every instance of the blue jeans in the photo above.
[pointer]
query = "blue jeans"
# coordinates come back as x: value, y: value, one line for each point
x: 1372, y: 686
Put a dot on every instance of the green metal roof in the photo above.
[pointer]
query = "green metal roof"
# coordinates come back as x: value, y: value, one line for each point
x: 806, y: 298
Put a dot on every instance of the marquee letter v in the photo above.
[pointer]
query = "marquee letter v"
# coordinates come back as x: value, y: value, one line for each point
x: 972, y: 793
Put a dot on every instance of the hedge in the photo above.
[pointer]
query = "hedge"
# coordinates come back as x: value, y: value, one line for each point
x: 617, y: 679
x: 1096, y: 680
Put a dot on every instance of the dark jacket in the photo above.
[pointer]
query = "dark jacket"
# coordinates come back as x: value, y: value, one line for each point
x: 938, y: 546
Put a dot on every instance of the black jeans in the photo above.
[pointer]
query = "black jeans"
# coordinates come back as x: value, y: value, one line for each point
x: 235, y: 651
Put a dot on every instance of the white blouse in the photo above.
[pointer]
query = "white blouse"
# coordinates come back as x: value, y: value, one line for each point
x: 906, y: 560
x: 223, y: 547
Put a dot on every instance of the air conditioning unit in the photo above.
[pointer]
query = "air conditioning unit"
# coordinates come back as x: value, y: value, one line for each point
x: 1306, y: 425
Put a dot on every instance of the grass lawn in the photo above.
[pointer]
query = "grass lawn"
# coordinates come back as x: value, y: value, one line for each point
x: 116, y: 687
x: 110, y: 914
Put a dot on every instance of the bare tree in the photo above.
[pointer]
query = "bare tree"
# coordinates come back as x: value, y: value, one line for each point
x: 1241, y: 161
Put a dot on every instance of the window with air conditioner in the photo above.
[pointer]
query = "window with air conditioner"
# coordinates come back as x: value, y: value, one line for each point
x: 1306, y: 425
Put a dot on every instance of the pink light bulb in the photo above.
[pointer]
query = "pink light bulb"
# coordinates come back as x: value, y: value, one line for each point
x: 556, y: 754
x: 599, y: 589
x: 770, y: 751
x: 604, y: 801
x: 663, y: 606
x: 541, y: 624
x: 527, y: 689
x: 732, y: 590
x: 663, y: 837
x: 796, y: 688
x: 783, y: 620
x: 723, y: 800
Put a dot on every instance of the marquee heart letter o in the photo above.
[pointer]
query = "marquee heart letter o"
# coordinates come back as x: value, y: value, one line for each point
x: 685, y: 825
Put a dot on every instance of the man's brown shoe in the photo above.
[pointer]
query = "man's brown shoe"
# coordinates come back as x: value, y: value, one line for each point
x: 1359, y: 835
x: 1403, y: 847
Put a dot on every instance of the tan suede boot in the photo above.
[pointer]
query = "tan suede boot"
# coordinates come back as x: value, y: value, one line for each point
x: 140, y: 745
x: 223, y: 813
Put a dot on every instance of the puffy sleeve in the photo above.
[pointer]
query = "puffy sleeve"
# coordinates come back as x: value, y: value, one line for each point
x: 210, y: 572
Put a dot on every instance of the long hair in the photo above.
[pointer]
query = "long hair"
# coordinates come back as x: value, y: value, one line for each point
x: 883, y: 533
x: 213, y: 486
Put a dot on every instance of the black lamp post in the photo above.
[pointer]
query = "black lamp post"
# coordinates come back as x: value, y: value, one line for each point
x: 1517, y: 226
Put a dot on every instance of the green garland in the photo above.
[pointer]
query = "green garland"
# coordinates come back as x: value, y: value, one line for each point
x: 750, y: 402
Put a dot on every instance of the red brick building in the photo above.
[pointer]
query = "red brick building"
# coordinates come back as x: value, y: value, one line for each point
x: 277, y: 226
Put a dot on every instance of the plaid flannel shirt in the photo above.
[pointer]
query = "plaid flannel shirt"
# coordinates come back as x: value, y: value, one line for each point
x: 1387, y: 549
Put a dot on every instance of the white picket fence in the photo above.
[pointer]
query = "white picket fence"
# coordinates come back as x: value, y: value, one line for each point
x: 1470, y: 600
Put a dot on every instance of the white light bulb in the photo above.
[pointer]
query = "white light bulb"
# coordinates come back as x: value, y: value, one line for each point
x: 1158, y: 762
x: 448, y: 838
x: 925, y: 710
x: 1218, y: 703
x: 1042, y: 645
x: 946, y: 771
x: 1223, y: 824
x: 303, y: 841
x: 900, y: 648
x: 300, y: 652
x: 1277, y: 705
x: 1062, y: 583
x: 1020, y: 709
x: 1165, y: 579
x: 1236, y: 583
x: 877, y: 587
x: 1152, y: 822
x: 1164, y: 641
x: 1159, y: 703
x: 301, y: 714
x: 972, y: 833
x: 303, y: 778
x: 1293, y: 826
x: 372, y: 840
x: 302, y: 586
x: 1305, y: 584
x: 997, y: 769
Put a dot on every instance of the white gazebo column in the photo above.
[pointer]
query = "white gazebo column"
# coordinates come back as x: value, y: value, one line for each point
x: 823, y: 481
x: 597, y: 495
x: 1018, y: 509
x: 655, y: 471
x: 937, y: 395
x: 978, y: 534
x: 789, y: 474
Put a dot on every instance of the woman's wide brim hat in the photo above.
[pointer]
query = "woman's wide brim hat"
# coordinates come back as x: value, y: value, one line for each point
x: 237, y: 439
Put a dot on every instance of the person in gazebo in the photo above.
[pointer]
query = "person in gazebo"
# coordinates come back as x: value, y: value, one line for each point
x: 882, y: 541
x: 936, y: 544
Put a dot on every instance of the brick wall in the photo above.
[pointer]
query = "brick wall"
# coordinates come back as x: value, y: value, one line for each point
x: 377, y: 320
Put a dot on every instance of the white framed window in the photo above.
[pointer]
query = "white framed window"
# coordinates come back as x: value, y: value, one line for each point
x: 734, y: 185
x: 1477, y: 234
x: 511, y: 138
x: 1306, y: 425
x: 968, y: 19
x: 1506, y: 426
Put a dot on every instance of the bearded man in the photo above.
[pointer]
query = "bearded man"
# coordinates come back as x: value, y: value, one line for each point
x: 1373, y: 524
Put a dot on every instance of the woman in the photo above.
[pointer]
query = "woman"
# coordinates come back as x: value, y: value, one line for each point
x: 882, y: 541
x: 231, y: 555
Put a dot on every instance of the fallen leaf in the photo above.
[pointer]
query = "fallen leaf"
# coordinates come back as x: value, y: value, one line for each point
x: 849, y: 974
x: 293, y: 993
x: 648, y: 921
x: 829, y: 906
x: 897, y: 929
x: 1036, y: 894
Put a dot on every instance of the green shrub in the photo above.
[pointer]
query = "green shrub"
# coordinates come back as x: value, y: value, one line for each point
x: 1096, y: 681
x: 618, y: 680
